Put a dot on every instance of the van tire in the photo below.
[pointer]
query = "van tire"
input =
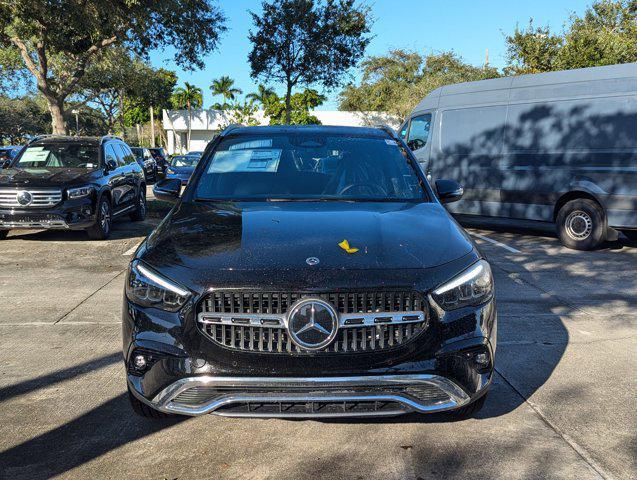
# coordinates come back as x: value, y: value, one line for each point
x: 581, y: 224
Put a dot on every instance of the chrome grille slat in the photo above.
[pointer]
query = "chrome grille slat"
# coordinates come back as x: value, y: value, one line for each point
x: 40, y: 198
x: 255, y: 321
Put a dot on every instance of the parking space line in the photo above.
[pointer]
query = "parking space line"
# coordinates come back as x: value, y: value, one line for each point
x: 496, y: 243
x: 131, y: 250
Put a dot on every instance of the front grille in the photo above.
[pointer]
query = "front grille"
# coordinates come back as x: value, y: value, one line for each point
x: 396, y: 318
x: 40, y: 198
x: 279, y: 303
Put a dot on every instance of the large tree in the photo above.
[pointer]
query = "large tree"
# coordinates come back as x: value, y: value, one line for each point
x: 300, y: 105
x: 307, y: 42
x: 605, y: 35
x: 396, y: 82
x: 263, y: 95
x: 58, y: 40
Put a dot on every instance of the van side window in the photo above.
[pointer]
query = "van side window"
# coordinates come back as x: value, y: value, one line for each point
x: 473, y: 131
x: 403, y: 130
x: 419, y: 131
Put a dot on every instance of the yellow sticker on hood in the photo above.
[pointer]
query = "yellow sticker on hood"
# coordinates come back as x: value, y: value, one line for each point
x: 345, y: 246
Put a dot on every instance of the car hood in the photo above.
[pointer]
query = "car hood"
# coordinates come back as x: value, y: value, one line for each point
x: 197, y: 242
x: 182, y: 170
x: 44, y: 177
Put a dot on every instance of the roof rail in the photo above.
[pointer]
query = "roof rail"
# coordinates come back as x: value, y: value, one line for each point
x: 387, y: 129
x: 40, y: 137
x: 229, y: 128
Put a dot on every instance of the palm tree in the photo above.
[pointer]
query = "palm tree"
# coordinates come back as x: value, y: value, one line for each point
x: 224, y: 86
x: 188, y: 97
x: 263, y: 95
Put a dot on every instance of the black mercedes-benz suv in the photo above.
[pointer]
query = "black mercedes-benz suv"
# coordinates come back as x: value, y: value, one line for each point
x: 74, y: 183
x: 310, y: 272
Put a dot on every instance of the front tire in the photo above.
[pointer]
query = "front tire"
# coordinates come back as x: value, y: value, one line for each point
x: 102, y: 228
x: 143, y: 410
x: 140, y: 210
x: 3, y: 234
x: 470, y: 410
x: 581, y: 224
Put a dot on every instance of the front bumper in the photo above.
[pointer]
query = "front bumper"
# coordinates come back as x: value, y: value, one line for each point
x: 385, y: 395
x: 69, y: 215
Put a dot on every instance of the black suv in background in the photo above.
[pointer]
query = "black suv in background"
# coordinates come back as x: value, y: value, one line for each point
x: 147, y: 162
x: 74, y: 183
x: 160, y: 158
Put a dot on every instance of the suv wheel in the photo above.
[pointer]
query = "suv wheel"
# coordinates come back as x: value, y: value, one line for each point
x: 581, y: 224
x: 143, y: 410
x: 102, y: 228
x: 139, y: 213
x: 3, y: 234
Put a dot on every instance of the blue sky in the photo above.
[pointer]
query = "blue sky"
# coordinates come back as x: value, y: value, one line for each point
x: 468, y: 27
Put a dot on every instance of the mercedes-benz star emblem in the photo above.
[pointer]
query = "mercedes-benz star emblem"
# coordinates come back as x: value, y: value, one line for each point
x: 312, y: 323
x: 24, y: 198
x: 312, y: 261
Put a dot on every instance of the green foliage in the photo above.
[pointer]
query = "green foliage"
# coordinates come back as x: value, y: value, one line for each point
x: 22, y: 117
x: 605, y: 35
x: 307, y: 42
x: 300, y: 105
x: 58, y: 41
x: 187, y: 97
x: 224, y: 86
x: 396, y: 82
x: 263, y: 95
x: 241, y: 114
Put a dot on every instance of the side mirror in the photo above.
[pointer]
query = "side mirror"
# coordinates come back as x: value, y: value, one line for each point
x: 111, y: 164
x: 449, y: 190
x: 167, y: 190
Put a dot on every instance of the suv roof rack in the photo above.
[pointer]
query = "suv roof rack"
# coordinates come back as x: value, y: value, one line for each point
x: 229, y: 128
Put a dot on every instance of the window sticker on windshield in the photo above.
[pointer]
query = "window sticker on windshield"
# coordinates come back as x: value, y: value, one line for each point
x: 390, y: 142
x: 34, y: 154
x: 266, y: 160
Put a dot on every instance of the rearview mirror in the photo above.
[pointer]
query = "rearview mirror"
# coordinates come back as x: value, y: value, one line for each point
x: 167, y: 190
x: 448, y: 190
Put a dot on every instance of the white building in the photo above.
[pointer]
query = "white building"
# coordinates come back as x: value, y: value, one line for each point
x: 206, y: 123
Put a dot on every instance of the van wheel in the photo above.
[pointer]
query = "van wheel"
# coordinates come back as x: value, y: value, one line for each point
x: 3, y: 234
x: 102, y: 228
x: 139, y: 213
x: 581, y: 225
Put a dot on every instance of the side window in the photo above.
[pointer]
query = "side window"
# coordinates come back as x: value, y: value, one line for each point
x: 403, y: 130
x: 118, y: 154
x: 109, y: 154
x: 127, y: 155
x: 419, y: 131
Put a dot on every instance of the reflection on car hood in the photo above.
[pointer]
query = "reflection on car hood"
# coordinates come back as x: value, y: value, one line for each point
x: 182, y: 170
x: 44, y: 177
x: 198, y: 241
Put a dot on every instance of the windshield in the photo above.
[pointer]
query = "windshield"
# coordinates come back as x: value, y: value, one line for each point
x: 184, y: 161
x: 302, y: 166
x: 138, y: 152
x: 62, y: 155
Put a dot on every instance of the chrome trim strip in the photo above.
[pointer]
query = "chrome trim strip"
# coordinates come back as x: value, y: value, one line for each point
x: 163, y: 400
x: 35, y: 225
x: 260, y: 319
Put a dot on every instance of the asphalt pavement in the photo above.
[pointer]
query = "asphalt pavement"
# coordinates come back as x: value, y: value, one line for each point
x: 562, y: 404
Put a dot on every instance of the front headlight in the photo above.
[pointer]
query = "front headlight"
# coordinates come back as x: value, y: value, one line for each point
x: 472, y: 287
x: 148, y: 288
x: 148, y: 162
x: 79, y: 192
x: 171, y: 171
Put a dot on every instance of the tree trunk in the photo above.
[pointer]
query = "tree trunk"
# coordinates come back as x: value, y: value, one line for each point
x: 121, y: 113
x: 288, y: 107
x: 189, y: 127
x: 56, y: 107
x: 152, y: 127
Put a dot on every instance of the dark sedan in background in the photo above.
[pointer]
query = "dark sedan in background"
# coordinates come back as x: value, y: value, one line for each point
x: 308, y: 272
x: 7, y: 154
x: 181, y: 167
x: 147, y: 162
x: 161, y: 159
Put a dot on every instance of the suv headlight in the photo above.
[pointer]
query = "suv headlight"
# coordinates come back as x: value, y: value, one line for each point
x: 472, y: 287
x: 170, y: 171
x: 79, y: 192
x: 148, y: 288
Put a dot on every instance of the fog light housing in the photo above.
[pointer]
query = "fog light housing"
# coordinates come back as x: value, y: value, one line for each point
x: 139, y: 362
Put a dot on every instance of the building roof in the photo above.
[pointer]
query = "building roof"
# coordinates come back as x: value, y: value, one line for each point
x: 323, y: 129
